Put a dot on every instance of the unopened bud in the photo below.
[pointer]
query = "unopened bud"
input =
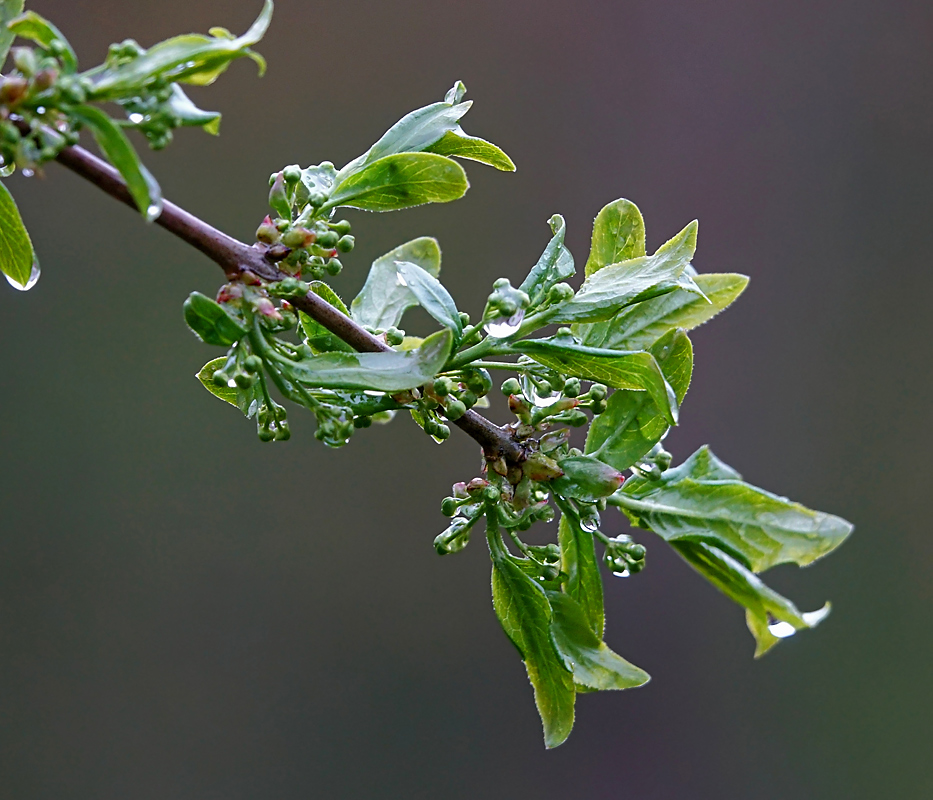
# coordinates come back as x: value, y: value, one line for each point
x: 511, y: 386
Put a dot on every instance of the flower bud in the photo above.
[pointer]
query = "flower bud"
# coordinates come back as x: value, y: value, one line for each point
x: 449, y: 506
x: 298, y: 237
x: 454, y: 539
x: 540, y: 467
x: 441, y: 387
x: 560, y: 293
x: 278, y: 197
x: 586, y: 478
x: 394, y: 336
x: 468, y: 398
x: 266, y: 434
x: 511, y: 386
x: 13, y: 90
x: 244, y: 380
x: 24, y: 58
x: 345, y: 244
x: 252, y: 363
x: 442, y: 431
x: 476, y: 486
x: 576, y: 418
x: 220, y: 378
x: 333, y: 266
x: 598, y: 391
x: 267, y: 233
x: 459, y: 490
x: 342, y: 228
x: 454, y: 409
x: 572, y: 387
x: 282, y: 432
x: 292, y: 174
x: 478, y: 381
x: 328, y: 238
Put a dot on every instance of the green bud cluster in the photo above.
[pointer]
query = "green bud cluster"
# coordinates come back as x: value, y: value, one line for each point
x: 624, y: 556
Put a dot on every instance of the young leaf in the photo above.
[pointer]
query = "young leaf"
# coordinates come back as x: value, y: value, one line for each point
x: 704, y: 497
x: 433, y: 129
x: 17, y: 259
x: 586, y: 478
x: 384, y: 372
x: 241, y: 398
x: 618, y: 235
x: 36, y: 29
x: 192, y: 58
x: 619, y: 369
x: 555, y: 264
x: 525, y: 616
x: 457, y: 143
x: 400, y: 181
x: 9, y: 10
x: 639, y: 326
x: 431, y: 295
x: 593, y: 664
x: 761, y: 603
x: 319, y: 339
x: 211, y: 322
x: 113, y: 143
x: 612, y: 288
x: 578, y: 561
x: 383, y: 299
x: 632, y: 423
x: 190, y: 115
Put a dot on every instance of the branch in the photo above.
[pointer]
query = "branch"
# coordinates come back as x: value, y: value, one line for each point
x: 237, y: 258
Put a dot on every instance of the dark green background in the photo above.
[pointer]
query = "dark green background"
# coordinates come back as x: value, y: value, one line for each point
x: 188, y: 613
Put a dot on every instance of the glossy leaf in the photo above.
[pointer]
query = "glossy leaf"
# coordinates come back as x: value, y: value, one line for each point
x: 401, y: 181
x: 619, y: 285
x: 431, y: 296
x: 117, y: 148
x: 639, y: 326
x: 619, y: 369
x: 618, y: 235
x: 17, y: 258
x: 705, y: 498
x: 241, y: 398
x: 586, y: 478
x: 211, y: 322
x: 593, y: 664
x: 319, y: 339
x: 36, y: 29
x: 188, y: 114
x: 632, y: 423
x: 578, y: 561
x: 554, y: 266
x: 318, y: 179
x: 192, y: 58
x: 393, y: 371
x: 457, y: 143
x: 763, y: 606
x: 383, y: 299
x: 9, y: 10
x: 525, y: 615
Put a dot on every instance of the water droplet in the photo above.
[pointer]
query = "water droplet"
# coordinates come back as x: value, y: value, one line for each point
x: 781, y: 629
x: 152, y: 213
x: 231, y: 383
x: 40, y: 110
x: 502, y: 327
x: 28, y: 173
x: 589, y: 524
x: 136, y: 118
x: 33, y: 277
x: 623, y: 574
x: 544, y: 402
x: 400, y: 280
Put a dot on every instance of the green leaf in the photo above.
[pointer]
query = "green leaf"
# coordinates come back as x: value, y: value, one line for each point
x: 525, y: 615
x: 211, y: 322
x: 618, y: 285
x: 383, y: 299
x: 431, y: 295
x: 241, y: 398
x: 192, y: 58
x: 639, y: 326
x: 117, y: 148
x: 17, y: 259
x: 762, y: 605
x: 457, y: 143
x: 36, y: 29
x: 593, y: 664
x: 401, y: 181
x: 189, y: 114
x: 578, y: 561
x: 318, y: 179
x: 555, y: 264
x: 632, y: 423
x: 435, y: 129
x: 9, y: 10
x: 616, y: 368
x: 319, y: 339
x: 586, y: 478
x: 705, y: 498
x: 618, y: 235
x: 385, y: 372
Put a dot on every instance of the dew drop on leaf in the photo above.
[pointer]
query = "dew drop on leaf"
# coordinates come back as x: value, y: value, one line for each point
x: 503, y: 327
x: 33, y: 277
x: 623, y: 574
x: 781, y: 629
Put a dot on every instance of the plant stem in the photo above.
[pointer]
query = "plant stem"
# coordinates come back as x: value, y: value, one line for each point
x: 237, y: 258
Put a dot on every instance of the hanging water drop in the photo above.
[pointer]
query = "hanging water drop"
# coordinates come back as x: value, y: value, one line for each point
x: 28, y: 173
x: 544, y: 402
x: 33, y: 277
x: 623, y: 574
x: 781, y: 629
x: 136, y: 118
x: 503, y: 327
x: 153, y: 212
x: 589, y: 524
x: 231, y: 383
x: 40, y: 110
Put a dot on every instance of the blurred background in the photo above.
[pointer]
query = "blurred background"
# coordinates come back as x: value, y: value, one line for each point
x: 188, y: 613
